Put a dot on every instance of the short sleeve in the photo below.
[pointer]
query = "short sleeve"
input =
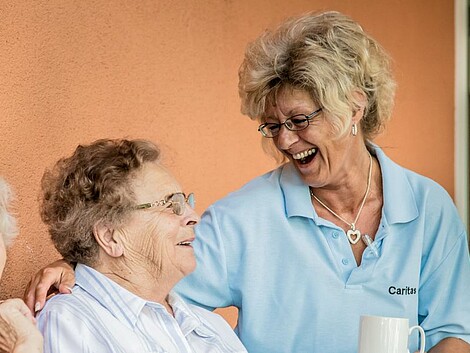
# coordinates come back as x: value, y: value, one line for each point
x: 444, y: 302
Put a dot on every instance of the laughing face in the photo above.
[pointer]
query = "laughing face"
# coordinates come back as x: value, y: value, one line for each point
x: 322, y: 158
x: 156, y: 238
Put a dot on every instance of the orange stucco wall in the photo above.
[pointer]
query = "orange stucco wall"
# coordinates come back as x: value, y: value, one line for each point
x: 75, y: 71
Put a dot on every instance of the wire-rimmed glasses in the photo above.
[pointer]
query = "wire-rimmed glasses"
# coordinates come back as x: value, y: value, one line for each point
x: 176, y: 201
x: 294, y: 123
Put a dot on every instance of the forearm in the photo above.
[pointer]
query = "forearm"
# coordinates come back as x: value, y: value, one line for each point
x: 451, y: 345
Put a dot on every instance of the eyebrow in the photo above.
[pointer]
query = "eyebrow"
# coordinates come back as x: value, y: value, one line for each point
x: 289, y: 115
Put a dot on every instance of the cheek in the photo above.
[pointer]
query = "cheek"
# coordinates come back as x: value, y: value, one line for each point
x: 153, y: 244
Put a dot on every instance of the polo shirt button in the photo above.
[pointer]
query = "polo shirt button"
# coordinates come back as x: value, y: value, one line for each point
x: 345, y: 261
x: 335, y: 235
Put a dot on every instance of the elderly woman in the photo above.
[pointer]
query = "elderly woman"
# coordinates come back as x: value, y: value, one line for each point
x: 123, y: 218
x: 18, y: 333
x: 339, y: 230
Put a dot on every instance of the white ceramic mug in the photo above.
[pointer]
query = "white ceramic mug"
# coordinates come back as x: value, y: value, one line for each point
x: 378, y: 334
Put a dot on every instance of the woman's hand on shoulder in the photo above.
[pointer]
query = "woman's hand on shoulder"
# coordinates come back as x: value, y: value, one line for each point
x: 18, y: 332
x: 57, y: 277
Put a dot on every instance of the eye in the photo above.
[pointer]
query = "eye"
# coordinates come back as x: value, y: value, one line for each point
x: 298, y: 119
x: 272, y: 127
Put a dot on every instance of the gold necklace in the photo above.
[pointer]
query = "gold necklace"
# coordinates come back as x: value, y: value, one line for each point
x: 353, y: 234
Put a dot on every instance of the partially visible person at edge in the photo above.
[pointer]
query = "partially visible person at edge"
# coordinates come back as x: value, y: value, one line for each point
x: 117, y: 212
x: 339, y: 230
x: 18, y: 333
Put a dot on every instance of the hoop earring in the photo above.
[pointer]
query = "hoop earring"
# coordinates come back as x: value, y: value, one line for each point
x: 354, y: 129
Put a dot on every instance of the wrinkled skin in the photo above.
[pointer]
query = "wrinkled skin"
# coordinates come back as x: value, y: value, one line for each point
x: 18, y: 333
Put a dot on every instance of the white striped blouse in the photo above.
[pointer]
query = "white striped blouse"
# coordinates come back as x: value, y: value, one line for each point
x: 101, y: 316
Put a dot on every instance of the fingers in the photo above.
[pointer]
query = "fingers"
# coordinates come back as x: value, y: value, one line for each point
x: 58, y: 275
x: 28, y: 296
x: 67, y: 280
x: 36, y: 291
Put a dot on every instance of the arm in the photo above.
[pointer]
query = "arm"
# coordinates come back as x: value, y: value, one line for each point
x: 18, y: 333
x: 57, y: 275
x: 444, y: 306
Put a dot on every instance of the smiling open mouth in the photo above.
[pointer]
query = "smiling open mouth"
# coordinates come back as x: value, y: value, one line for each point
x: 305, y: 157
x: 185, y: 243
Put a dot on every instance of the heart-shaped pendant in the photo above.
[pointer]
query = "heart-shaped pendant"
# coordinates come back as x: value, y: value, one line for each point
x: 353, y: 235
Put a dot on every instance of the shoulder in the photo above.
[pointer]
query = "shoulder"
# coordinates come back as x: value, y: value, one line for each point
x: 67, y: 308
x: 70, y: 323
x: 244, y: 208
x: 400, y: 182
x: 256, y: 192
x: 266, y: 183
x: 419, y: 202
x: 431, y: 198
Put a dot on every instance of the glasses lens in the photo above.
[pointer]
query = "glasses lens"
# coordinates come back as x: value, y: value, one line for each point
x: 298, y: 122
x: 269, y: 129
x: 191, y: 200
x: 177, y: 204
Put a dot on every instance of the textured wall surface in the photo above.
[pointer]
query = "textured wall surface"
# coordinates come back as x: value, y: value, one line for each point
x: 75, y: 71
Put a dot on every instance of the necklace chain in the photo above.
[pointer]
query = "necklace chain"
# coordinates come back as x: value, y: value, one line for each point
x: 353, y: 224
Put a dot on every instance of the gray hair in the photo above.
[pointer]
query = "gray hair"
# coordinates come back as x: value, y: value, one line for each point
x: 8, y: 227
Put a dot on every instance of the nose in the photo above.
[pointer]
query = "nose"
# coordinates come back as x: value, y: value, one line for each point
x: 286, y: 138
x: 190, y: 217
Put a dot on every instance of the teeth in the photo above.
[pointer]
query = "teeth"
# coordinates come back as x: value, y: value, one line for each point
x: 184, y: 243
x: 304, y: 154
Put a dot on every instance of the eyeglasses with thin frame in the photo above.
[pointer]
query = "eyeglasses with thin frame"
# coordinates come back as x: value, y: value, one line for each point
x: 294, y: 123
x: 176, y: 201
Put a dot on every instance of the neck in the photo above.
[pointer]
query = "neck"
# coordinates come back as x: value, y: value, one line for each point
x: 139, y: 280
x: 346, y: 194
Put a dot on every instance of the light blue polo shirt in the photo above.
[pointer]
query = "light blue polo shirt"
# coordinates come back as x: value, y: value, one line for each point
x: 294, y: 278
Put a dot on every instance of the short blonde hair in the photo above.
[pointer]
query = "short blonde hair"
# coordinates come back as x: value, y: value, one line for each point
x: 328, y: 55
x: 8, y: 227
x: 93, y: 185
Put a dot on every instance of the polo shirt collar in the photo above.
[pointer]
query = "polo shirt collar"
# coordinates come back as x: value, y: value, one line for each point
x: 296, y: 193
x: 399, y: 203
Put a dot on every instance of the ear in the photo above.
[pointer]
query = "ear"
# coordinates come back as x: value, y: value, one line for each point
x: 105, y: 237
x: 360, y: 100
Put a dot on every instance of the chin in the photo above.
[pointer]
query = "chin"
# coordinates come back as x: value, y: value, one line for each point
x: 188, y: 267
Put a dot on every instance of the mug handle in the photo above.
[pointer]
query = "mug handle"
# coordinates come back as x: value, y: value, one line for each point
x: 422, y: 344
